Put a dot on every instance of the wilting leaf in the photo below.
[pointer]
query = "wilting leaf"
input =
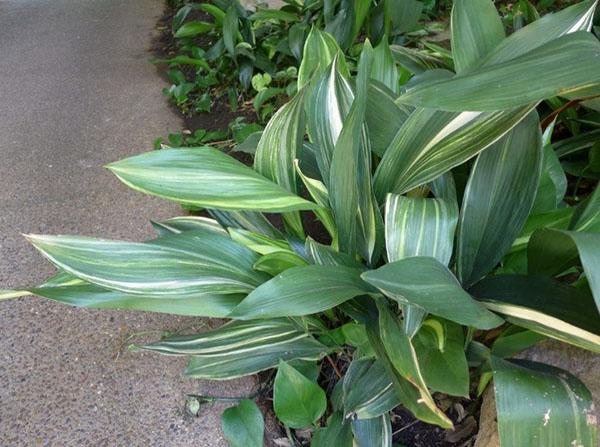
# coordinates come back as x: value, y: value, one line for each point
x: 243, y: 425
x: 497, y: 199
x: 241, y: 348
x: 542, y: 73
x: 205, y: 177
x: 298, y: 402
x: 545, y: 306
x: 182, y: 265
x: 476, y: 29
x: 302, y: 291
x: 552, y: 408
x: 376, y: 432
x: 424, y: 282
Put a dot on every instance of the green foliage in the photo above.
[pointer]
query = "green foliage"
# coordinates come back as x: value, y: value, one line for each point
x: 428, y: 231
x: 243, y: 425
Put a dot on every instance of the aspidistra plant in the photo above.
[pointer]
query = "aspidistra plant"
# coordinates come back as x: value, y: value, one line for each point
x: 407, y: 272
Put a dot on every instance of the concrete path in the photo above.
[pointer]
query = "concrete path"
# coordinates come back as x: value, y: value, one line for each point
x: 76, y: 92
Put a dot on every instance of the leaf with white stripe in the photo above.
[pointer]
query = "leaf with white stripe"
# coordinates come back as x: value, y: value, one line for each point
x: 330, y: 100
x: 368, y: 389
x: 279, y: 145
x: 394, y: 348
x: 575, y: 18
x: 239, y: 348
x: 248, y: 220
x: 320, y: 49
x: 542, y: 73
x: 553, y: 407
x: 431, y: 142
x: 543, y: 305
x: 205, y: 177
x: 497, y: 200
x: 354, y: 208
x: 184, y: 265
x: 384, y: 68
x: 376, y: 432
x: 416, y: 226
x: 425, y: 282
x: 177, y: 225
x: 476, y: 29
x: 67, y: 289
x: 383, y: 117
x: 302, y: 291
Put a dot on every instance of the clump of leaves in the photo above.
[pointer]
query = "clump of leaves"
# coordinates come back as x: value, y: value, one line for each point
x: 441, y: 245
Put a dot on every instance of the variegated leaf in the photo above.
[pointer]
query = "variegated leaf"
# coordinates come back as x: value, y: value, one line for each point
x: 183, y: 265
x: 241, y: 348
x: 497, y: 199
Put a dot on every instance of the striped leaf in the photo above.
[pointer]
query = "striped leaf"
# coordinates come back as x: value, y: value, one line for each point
x: 320, y: 49
x: 376, y: 432
x: 542, y: 73
x: 552, y: 252
x: 543, y: 305
x: 324, y: 255
x: 559, y: 218
x: 425, y: 282
x: 330, y: 100
x: 394, y: 348
x: 431, y: 142
x: 258, y: 242
x: 205, y: 177
x: 178, y: 225
x: 552, y: 408
x: 384, y: 68
x: 278, y: 147
x: 414, y: 60
x: 302, y: 291
x: 350, y: 192
x: 68, y: 289
x: 248, y: 220
x: 184, y: 265
x: 497, y: 200
x: 476, y: 29
x: 368, y: 390
x: 417, y: 226
x: 383, y: 117
x: 277, y: 262
x: 238, y: 348
x: 553, y: 25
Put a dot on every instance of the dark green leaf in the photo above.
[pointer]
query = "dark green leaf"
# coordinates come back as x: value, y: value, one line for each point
x: 243, y: 425
x: 297, y: 401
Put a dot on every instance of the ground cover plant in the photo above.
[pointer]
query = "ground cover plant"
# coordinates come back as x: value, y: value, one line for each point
x: 396, y: 241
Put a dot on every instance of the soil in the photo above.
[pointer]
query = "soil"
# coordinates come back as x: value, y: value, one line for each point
x: 164, y: 46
